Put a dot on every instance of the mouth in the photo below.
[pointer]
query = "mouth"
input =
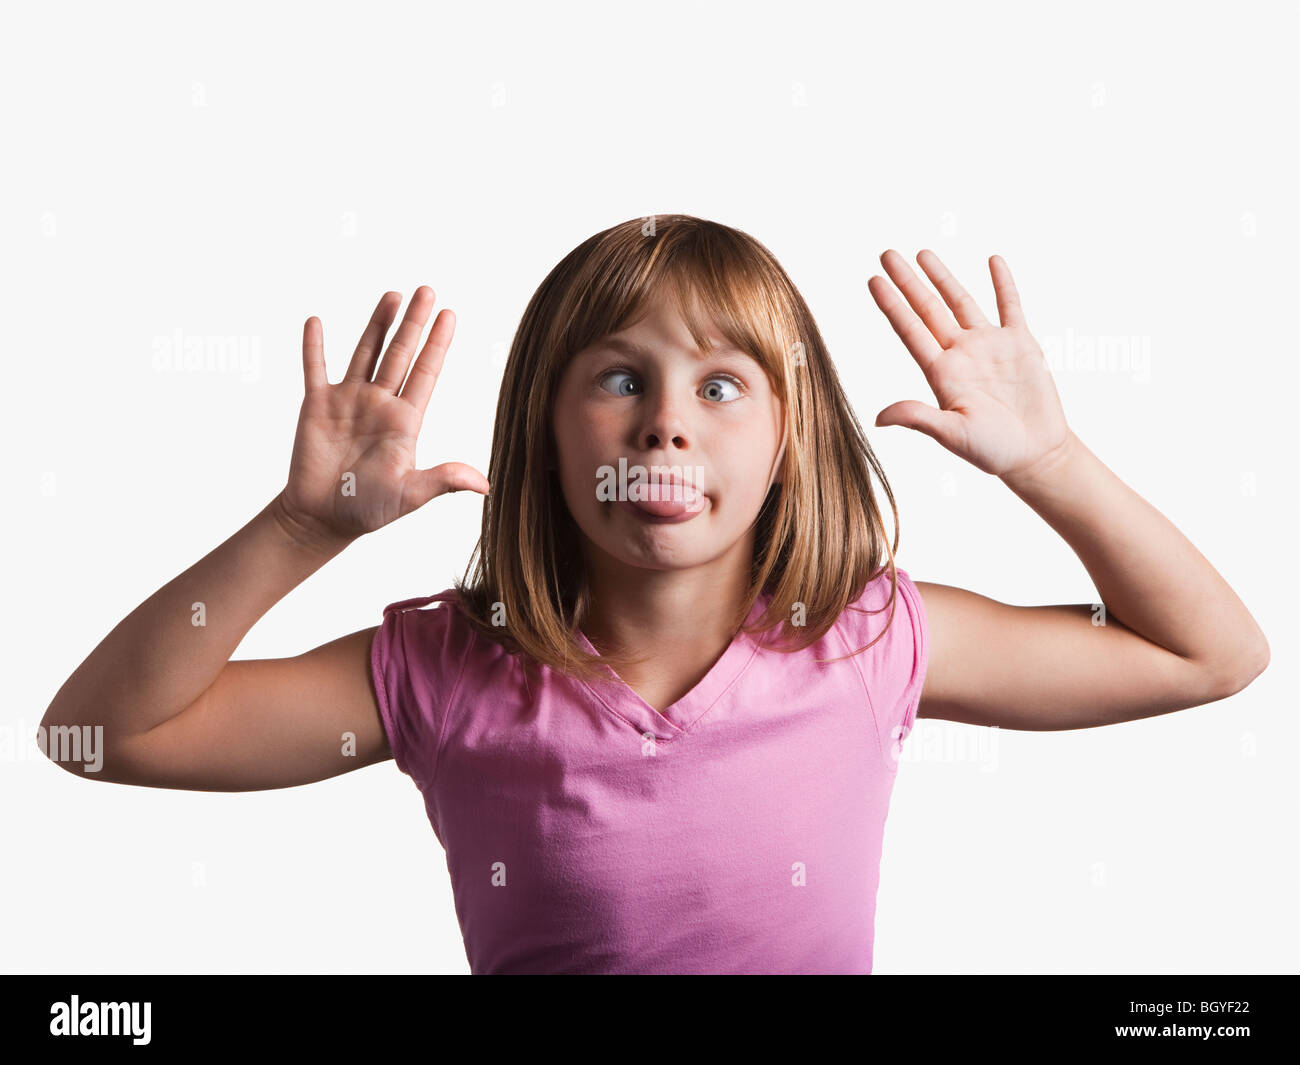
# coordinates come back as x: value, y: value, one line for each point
x: 676, y: 503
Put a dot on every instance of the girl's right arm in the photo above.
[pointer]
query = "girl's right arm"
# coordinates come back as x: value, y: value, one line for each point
x: 159, y: 701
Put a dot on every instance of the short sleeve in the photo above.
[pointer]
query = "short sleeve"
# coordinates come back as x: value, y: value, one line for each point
x: 893, y: 670
x: 417, y: 659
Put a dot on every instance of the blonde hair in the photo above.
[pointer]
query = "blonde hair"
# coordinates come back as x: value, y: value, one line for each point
x: 819, y: 535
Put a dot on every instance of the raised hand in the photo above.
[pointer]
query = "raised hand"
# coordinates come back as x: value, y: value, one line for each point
x: 353, y: 465
x: 998, y: 406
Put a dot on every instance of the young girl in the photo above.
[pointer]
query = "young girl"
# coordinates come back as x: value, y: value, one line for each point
x: 658, y: 729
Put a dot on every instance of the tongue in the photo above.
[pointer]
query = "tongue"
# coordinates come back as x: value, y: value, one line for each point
x: 673, y: 499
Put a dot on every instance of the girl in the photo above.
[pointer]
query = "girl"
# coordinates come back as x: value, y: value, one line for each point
x: 657, y: 730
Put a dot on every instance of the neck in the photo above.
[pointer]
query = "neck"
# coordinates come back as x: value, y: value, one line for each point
x: 665, y: 611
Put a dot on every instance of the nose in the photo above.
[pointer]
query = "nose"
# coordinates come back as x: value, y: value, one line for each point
x: 662, y: 424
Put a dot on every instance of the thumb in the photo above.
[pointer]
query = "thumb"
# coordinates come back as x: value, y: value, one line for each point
x: 932, y: 421
x: 449, y: 477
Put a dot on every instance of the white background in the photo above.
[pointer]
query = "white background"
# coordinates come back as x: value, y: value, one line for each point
x: 230, y: 172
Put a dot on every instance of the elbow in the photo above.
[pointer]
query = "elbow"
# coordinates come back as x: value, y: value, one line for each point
x: 75, y: 748
x: 1257, y: 662
x: 51, y: 724
x: 1242, y: 670
x: 43, y: 732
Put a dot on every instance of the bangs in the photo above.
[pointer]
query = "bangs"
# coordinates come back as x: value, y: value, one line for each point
x: 710, y: 280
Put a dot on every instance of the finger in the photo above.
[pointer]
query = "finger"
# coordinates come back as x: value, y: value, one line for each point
x: 449, y: 477
x: 424, y: 374
x: 942, y: 426
x: 1008, y: 298
x: 930, y: 308
x: 913, y: 334
x: 392, y: 371
x: 363, y: 359
x: 313, y: 355
x: 965, y: 309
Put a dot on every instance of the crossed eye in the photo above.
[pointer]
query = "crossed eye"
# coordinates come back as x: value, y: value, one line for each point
x: 715, y: 378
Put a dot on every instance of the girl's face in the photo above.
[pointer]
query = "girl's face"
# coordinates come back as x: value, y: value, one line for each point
x: 646, y: 396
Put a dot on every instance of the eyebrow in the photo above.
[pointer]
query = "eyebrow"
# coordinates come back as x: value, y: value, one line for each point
x: 630, y: 347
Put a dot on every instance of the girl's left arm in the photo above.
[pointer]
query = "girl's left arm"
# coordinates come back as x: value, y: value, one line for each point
x: 1169, y: 632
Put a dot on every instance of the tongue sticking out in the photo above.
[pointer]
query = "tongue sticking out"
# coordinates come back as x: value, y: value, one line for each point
x: 672, y: 499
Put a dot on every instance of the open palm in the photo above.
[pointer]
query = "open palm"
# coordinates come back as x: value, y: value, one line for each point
x: 353, y: 465
x: 998, y: 406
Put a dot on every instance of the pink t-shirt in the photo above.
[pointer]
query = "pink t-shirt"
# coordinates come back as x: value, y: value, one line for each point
x: 739, y: 831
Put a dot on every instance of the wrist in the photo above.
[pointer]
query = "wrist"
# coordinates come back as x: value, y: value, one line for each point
x: 305, y: 534
x: 1046, y: 466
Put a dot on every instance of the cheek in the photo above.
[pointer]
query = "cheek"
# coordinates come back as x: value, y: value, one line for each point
x: 581, y: 435
x: 579, y: 455
x: 588, y: 438
x: 746, y: 454
x: 567, y: 425
x: 748, y: 445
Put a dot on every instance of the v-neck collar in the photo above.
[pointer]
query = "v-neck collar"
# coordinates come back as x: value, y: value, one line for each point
x: 677, y: 719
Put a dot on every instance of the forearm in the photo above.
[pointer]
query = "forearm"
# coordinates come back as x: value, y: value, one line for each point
x: 169, y: 650
x: 1148, y: 574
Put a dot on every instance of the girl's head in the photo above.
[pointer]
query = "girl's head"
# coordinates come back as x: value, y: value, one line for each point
x: 645, y: 403
x: 672, y: 342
